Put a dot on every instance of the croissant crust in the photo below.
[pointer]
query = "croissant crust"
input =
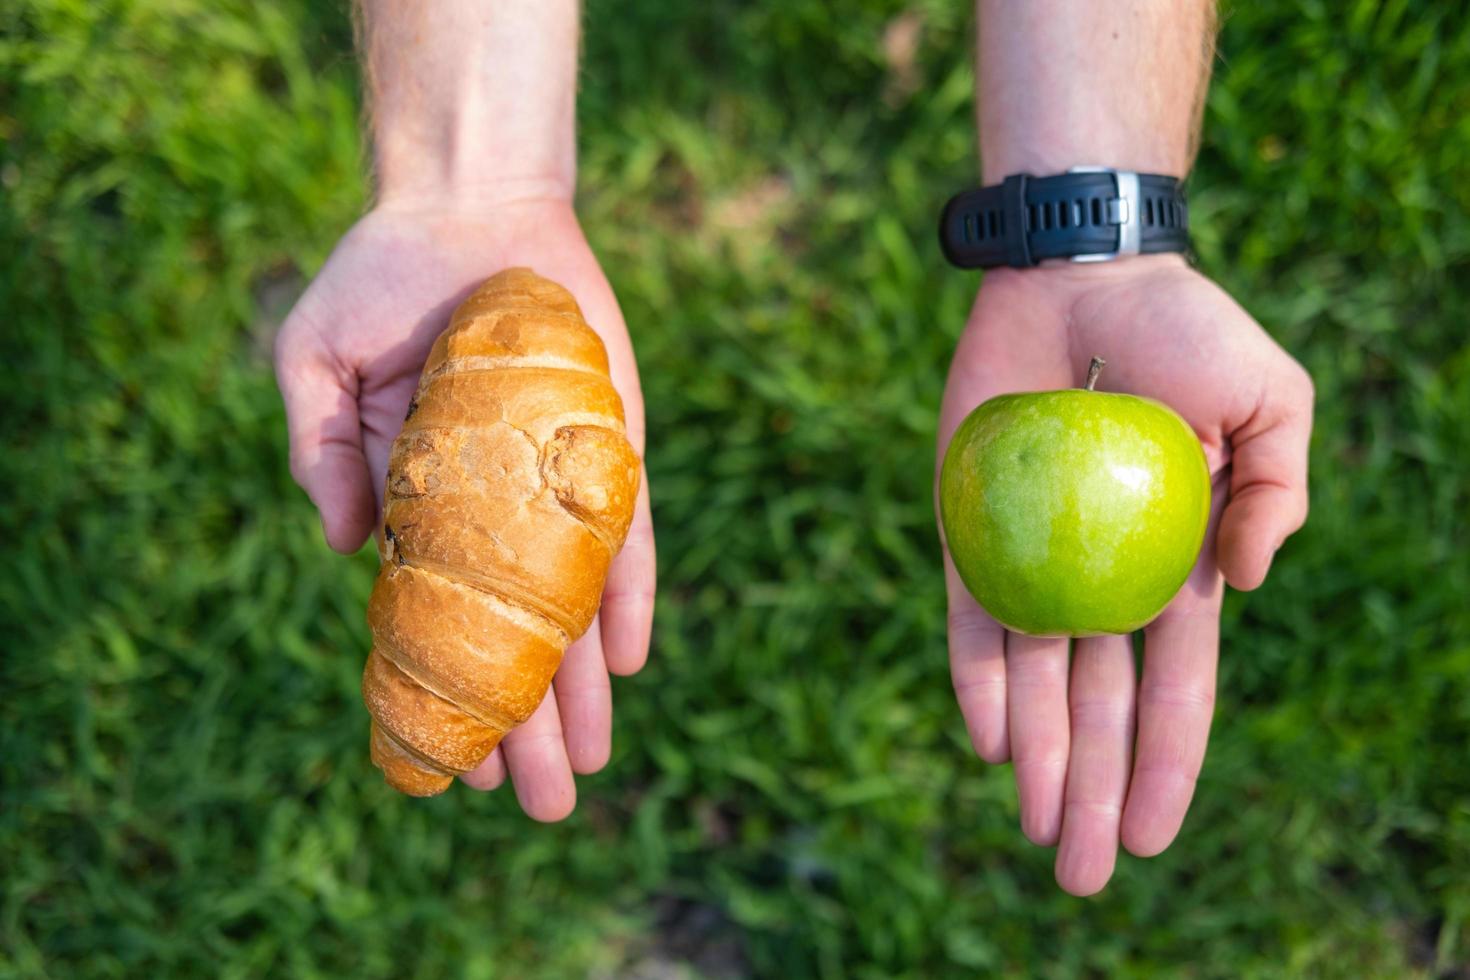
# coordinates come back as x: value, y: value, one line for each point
x: 509, y: 491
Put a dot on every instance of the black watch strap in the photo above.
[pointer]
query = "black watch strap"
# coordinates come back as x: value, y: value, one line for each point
x: 1084, y: 215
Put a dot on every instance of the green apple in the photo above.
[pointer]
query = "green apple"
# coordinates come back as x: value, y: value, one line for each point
x: 1074, y: 512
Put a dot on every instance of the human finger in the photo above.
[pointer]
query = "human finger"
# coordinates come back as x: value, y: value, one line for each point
x: 487, y: 775
x: 536, y: 757
x: 1268, y: 481
x: 628, y: 597
x: 1176, y: 700
x: 1036, y: 708
x: 977, y: 666
x: 325, y: 435
x: 1101, y: 702
x: 584, y: 701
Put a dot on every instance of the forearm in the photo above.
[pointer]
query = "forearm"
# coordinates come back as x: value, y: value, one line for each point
x: 472, y: 98
x: 1116, y: 83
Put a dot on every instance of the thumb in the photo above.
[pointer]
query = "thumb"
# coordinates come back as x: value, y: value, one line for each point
x: 326, y: 439
x: 1268, y: 482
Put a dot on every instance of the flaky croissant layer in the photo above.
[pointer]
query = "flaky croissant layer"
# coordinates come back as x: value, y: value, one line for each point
x: 510, y: 489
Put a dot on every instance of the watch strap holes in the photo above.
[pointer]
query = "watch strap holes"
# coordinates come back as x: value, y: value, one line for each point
x: 979, y: 226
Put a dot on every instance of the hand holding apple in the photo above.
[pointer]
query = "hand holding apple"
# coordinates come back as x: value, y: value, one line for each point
x: 1099, y: 759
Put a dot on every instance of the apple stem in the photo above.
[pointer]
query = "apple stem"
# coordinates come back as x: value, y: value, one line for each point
x: 1094, y: 370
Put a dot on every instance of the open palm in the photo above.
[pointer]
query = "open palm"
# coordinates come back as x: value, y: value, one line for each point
x: 1100, y: 759
x: 348, y: 359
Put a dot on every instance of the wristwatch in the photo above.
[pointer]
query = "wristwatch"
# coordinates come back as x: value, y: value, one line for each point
x: 1088, y: 214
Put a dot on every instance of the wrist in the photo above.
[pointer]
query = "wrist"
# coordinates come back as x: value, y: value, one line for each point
x: 470, y: 163
x: 468, y: 160
x: 1068, y: 277
x: 1045, y: 159
x: 483, y: 195
x: 471, y: 100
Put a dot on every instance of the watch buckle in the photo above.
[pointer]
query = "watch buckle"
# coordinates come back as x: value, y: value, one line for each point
x: 1124, y: 211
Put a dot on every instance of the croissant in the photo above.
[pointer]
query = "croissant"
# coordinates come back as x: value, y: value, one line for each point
x: 509, y: 491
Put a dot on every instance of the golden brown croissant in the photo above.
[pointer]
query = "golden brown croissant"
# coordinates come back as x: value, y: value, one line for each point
x: 510, y: 489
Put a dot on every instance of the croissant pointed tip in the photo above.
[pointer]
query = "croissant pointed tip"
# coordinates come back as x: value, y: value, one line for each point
x: 401, y: 770
x: 419, y: 788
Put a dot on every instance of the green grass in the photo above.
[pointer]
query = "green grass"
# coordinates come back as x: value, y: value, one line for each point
x: 183, y: 763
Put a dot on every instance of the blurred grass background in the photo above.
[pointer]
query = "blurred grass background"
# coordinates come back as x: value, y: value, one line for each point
x: 186, y: 790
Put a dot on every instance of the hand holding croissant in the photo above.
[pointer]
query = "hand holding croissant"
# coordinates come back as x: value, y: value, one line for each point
x: 349, y: 359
